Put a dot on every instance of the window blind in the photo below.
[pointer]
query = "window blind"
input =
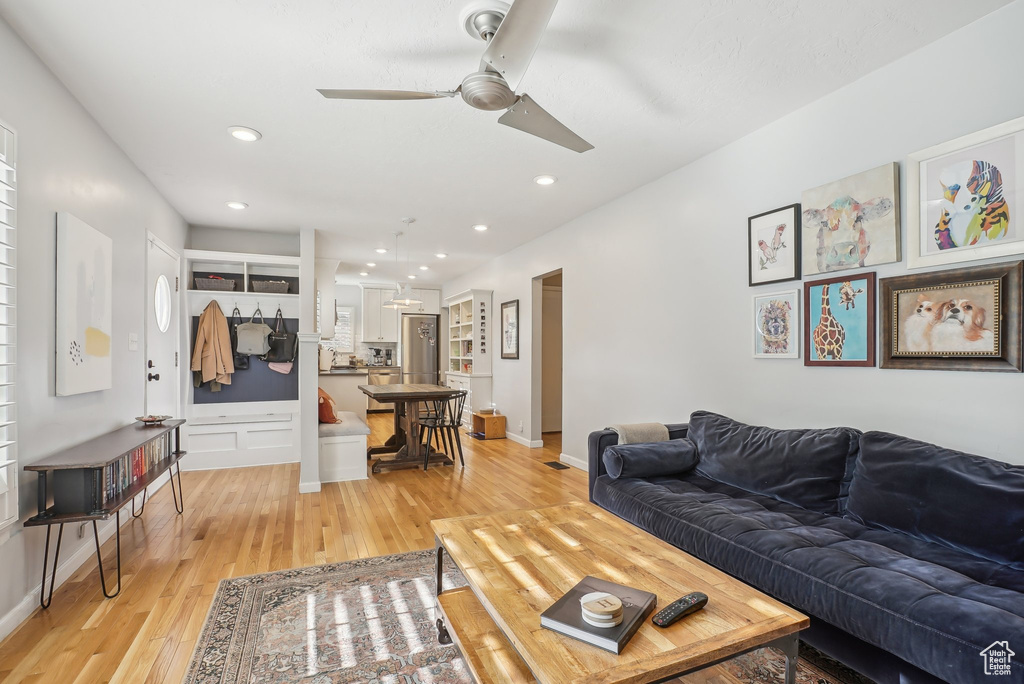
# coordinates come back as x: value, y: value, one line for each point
x: 8, y: 438
x: 344, y: 334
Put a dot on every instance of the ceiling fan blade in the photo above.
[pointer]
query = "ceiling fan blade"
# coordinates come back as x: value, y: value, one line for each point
x: 520, y: 32
x: 385, y: 94
x: 530, y: 117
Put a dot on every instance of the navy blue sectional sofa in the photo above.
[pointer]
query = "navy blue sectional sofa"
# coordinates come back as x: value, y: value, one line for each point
x: 909, y: 558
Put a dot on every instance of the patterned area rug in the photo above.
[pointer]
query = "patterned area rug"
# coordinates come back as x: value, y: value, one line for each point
x: 371, y: 621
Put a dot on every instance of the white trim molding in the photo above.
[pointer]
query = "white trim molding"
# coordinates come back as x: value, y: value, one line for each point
x: 574, y: 462
x: 534, y: 444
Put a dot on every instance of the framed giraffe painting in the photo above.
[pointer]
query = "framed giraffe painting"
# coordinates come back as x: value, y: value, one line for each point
x: 839, y: 321
x: 964, y: 197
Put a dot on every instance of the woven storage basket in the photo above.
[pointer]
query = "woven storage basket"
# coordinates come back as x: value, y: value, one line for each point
x: 273, y: 286
x: 214, y: 284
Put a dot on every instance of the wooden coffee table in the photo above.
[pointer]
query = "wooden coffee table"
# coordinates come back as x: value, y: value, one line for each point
x: 519, y: 563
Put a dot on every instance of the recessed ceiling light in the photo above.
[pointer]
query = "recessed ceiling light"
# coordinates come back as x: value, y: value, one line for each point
x: 441, y: 255
x: 412, y: 277
x: 480, y: 227
x: 237, y: 205
x: 244, y: 133
x: 370, y: 264
x: 363, y: 273
x: 381, y: 250
x: 424, y: 268
x: 544, y: 180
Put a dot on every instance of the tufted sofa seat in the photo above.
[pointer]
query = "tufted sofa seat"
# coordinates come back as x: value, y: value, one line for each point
x: 925, y: 597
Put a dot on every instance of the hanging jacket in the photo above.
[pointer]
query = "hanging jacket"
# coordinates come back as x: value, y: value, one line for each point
x: 212, y: 358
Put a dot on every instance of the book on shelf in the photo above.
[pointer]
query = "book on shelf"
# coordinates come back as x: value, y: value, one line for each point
x: 122, y: 473
x: 566, y: 616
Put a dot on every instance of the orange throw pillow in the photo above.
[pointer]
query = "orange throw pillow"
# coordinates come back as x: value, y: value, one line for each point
x: 327, y: 409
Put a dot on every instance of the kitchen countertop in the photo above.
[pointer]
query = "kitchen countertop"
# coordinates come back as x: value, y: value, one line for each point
x: 358, y: 370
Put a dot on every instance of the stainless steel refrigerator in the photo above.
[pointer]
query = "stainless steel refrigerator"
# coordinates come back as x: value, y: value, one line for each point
x: 420, y: 349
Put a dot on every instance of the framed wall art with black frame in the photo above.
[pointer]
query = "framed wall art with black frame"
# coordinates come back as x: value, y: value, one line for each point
x: 966, y: 319
x: 510, y: 329
x: 773, y: 246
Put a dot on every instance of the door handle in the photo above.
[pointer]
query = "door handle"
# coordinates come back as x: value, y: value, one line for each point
x: 153, y: 376
x: 149, y: 364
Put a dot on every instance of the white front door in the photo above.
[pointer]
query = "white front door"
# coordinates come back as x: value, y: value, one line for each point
x: 162, y: 307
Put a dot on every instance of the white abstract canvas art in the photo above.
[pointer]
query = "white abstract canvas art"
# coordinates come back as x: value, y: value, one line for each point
x: 84, y: 307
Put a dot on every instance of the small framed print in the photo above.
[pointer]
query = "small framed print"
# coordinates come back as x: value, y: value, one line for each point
x: 773, y: 246
x: 777, y: 325
x: 964, y: 319
x: 965, y: 197
x: 839, y: 321
x: 510, y: 329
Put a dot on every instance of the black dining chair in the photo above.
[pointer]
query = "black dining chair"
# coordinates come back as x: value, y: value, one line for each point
x: 445, y: 425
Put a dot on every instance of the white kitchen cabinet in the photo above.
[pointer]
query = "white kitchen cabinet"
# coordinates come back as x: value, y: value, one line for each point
x: 478, y: 393
x: 430, y: 302
x: 371, y: 315
x: 379, y: 324
x: 388, y: 320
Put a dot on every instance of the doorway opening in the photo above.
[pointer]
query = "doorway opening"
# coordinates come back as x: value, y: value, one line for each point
x: 546, y: 419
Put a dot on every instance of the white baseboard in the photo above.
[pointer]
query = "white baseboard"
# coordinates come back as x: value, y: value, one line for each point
x: 71, y: 564
x: 309, y: 487
x: 535, y: 444
x: 228, y: 462
x: 574, y: 462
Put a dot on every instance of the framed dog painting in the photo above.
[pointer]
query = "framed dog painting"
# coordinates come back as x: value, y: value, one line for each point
x: 965, y: 197
x: 839, y: 321
x: 965, y: 319
x: 773, y: 246
x: 777, y: 325
x: 853, y: 222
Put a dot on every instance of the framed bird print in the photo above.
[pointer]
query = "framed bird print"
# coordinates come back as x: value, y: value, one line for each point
x: 965, y: 197
x: 773, y: 245
x: 839, y: 321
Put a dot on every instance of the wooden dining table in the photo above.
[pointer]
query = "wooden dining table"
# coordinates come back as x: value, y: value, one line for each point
x: 405, y: 443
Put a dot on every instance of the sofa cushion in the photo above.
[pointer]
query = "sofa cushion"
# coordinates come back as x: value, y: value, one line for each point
x: 940, y: 495
x: 808, y: 468
x: 673, y: 457
x: 930, y: 605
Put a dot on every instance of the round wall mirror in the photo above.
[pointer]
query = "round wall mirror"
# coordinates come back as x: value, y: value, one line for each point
x: 162, y: 303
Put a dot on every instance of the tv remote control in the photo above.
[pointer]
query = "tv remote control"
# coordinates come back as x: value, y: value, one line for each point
x: 680, y: 608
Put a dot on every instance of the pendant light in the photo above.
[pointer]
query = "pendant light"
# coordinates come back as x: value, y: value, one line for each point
x: 403, y: 297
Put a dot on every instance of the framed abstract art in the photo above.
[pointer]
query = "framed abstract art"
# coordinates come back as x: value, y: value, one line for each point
x: 965, y: 195
x: 839, y: 321
x: 964, y: 319
x: 852, y: 222
x: 773, y: 246
x: 777, y: 325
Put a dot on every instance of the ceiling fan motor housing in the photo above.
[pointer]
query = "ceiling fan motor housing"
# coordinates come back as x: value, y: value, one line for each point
x: 487, y: 90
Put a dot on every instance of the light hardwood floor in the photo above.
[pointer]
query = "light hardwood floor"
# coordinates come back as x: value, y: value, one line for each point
x: 251, y: 520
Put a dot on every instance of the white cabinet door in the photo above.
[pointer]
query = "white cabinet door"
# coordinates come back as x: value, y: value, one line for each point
x: 371, y: 316
x: 388, y: 321
x: 415, y: 308
x: 431, y: 301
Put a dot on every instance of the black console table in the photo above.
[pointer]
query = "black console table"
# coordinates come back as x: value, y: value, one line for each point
x: 95, y: 479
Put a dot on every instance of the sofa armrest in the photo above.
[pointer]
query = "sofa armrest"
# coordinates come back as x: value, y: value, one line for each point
x: 602, y: 439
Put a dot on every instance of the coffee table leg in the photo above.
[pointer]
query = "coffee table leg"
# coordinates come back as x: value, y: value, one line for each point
x: 790, y: 647
x: 443, y: 637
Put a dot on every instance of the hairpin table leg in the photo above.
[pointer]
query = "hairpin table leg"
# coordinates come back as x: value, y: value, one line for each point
x: 179, y: 496
x: 99, y: 556
x: 143, y: 508
x: 53, y: 577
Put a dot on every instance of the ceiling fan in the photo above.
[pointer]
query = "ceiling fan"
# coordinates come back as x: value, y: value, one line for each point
x: 512, y: 36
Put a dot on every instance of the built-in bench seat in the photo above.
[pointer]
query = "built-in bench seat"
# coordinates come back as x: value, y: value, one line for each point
x: 343, y: 448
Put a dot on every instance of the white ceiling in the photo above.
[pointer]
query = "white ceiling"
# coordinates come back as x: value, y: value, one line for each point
x: 653, y: 84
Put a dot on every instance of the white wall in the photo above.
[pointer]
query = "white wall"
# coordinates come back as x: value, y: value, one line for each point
x: 630, y: 355
x: 67, y: 163
x: 244, y: 241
